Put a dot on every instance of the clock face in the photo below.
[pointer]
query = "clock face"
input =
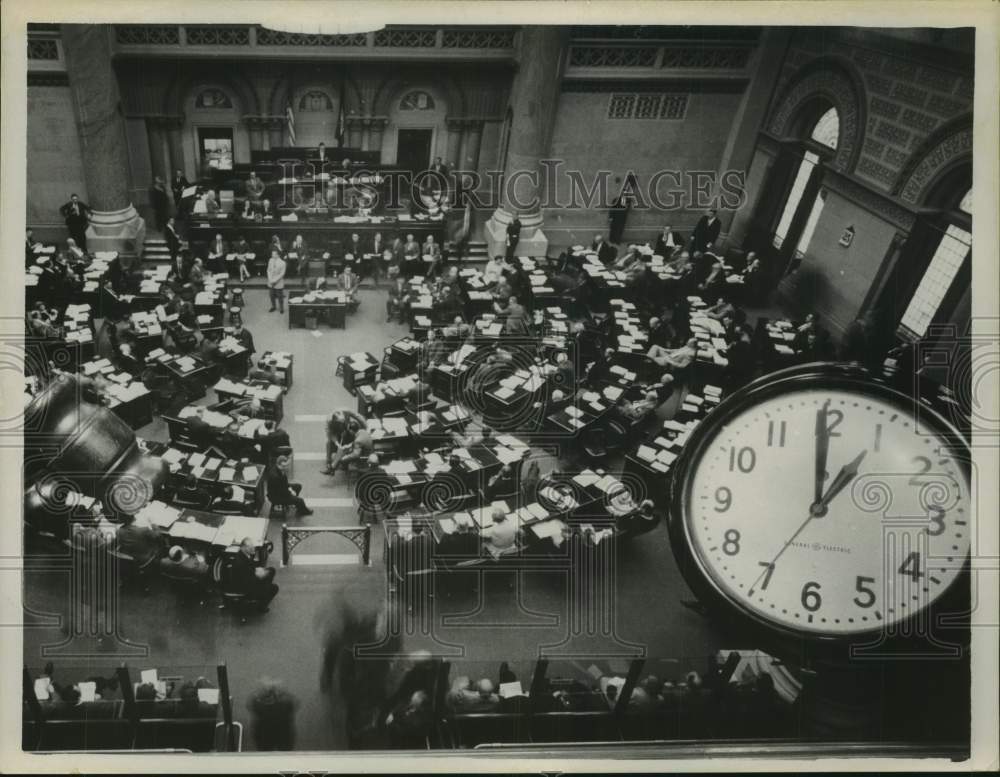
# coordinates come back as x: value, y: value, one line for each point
x: 830, y: 544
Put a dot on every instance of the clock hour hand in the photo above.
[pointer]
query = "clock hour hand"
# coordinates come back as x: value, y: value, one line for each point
x: 847, y: 473
x: 822, y: 449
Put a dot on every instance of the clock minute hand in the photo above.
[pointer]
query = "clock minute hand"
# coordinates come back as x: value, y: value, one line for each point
x: 822, y: 449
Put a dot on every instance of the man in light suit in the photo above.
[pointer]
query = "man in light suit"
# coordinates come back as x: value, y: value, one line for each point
x: 276, y: 269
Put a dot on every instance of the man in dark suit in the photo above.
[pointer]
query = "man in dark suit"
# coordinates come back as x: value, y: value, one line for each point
x: 172, y: 238
x: 667, y: 243
x: 706, y: 232
x: 244, y: 576
x: 177, y: 185
x: 77, y: 215
x: 618, y: 215
x: 513, y: 236
x: 605, y: 252
x: 160, y: 201
x: 281, y: 492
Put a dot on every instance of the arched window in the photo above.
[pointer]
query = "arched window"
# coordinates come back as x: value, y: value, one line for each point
x: 825, y: 132
x: 416, y: 101
x: 212, y: 99
x: 827, y: 129
x: 315, y: 100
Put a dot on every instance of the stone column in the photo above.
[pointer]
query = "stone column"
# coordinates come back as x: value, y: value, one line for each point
x: 115, y: 224
x: 173, y: 128
x: 533, y: 99
x: 748, y: 120
x: 157, y: 159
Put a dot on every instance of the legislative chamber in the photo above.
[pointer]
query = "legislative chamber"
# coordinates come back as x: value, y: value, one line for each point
x: 416, y: 390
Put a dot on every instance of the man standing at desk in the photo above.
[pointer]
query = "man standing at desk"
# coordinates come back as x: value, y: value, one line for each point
x: 77, y: 215
x: 411, y: 256
x: 276, y: 269
x: 177, y: 186
x: 706, y: 232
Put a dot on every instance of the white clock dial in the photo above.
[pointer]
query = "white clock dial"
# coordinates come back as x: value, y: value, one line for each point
x: 892, y: 537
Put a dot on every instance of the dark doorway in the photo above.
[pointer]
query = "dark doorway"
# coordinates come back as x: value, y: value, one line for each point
x: 413, y: 149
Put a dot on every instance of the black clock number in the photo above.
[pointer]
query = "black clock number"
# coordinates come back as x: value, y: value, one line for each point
x: 731, y: 546
x: 937, y: 518
x: 911, y: 566
x: 769, y: 570
x: 834, y: 419
x: 745, y: 460
x: 861, y: 586
x: 925, y: 467
x: 723, y: 499
x: 811, y: 599
x: 780, y: 439
x: 878, y: 437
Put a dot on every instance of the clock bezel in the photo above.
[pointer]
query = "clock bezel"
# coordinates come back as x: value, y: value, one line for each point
x: 698, y: 573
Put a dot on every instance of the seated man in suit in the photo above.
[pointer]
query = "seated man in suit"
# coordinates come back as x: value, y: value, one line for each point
x: 140, y: 543
x: 637, y: 410
x: 218, y: 250
x: 180, y: 565
x: 281, y: 492
x: 565, y: 377
x: 249, y: 210
x: 605, y: 252
x: 501, y: 537
x: 411, y: 257
x: 271, y: 439
x: 254, y: 187
x: 397, y: 306
x: 245, y: 577
x: 675, y: 358
x: 433, y: 250
x: 362, y: 447
x: 348, y: 281
x: 190, y: 494
x: 264, y: 210
x: 668, y: 243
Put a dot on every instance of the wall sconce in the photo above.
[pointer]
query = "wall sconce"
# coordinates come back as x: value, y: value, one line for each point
x: 848, y: 237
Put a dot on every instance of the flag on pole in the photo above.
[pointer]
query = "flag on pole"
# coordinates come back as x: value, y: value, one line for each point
x: 341, y: 119
x: 290, y: 120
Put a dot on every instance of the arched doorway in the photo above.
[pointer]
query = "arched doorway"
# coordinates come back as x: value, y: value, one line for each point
x: 798, y: 193
x: 214, y: 138
x: 416, y: 130
x: 316, y: 113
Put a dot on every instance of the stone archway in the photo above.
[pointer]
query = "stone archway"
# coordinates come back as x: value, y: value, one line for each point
x: 836, y: 82
x: 950, y: 145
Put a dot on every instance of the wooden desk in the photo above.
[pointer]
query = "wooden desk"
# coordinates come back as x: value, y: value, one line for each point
x: 331, y: 308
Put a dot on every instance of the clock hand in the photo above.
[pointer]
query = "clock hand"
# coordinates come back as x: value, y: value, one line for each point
x: 847, y: 473
x: 822, y: 449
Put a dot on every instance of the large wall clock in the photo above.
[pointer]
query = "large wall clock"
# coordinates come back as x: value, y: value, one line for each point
x: 816, y: 507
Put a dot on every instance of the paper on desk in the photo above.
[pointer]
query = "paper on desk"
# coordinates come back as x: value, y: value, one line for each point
x: 227, y: 473
x: 196, y: 459
x: 448, y: 525
x: 208, y: 695
x: 250, y: 473
x: 42, y: 688
x: 587, y: 478
x: 148, y: 676
x: 511, y: 690
x: 88, y: 691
